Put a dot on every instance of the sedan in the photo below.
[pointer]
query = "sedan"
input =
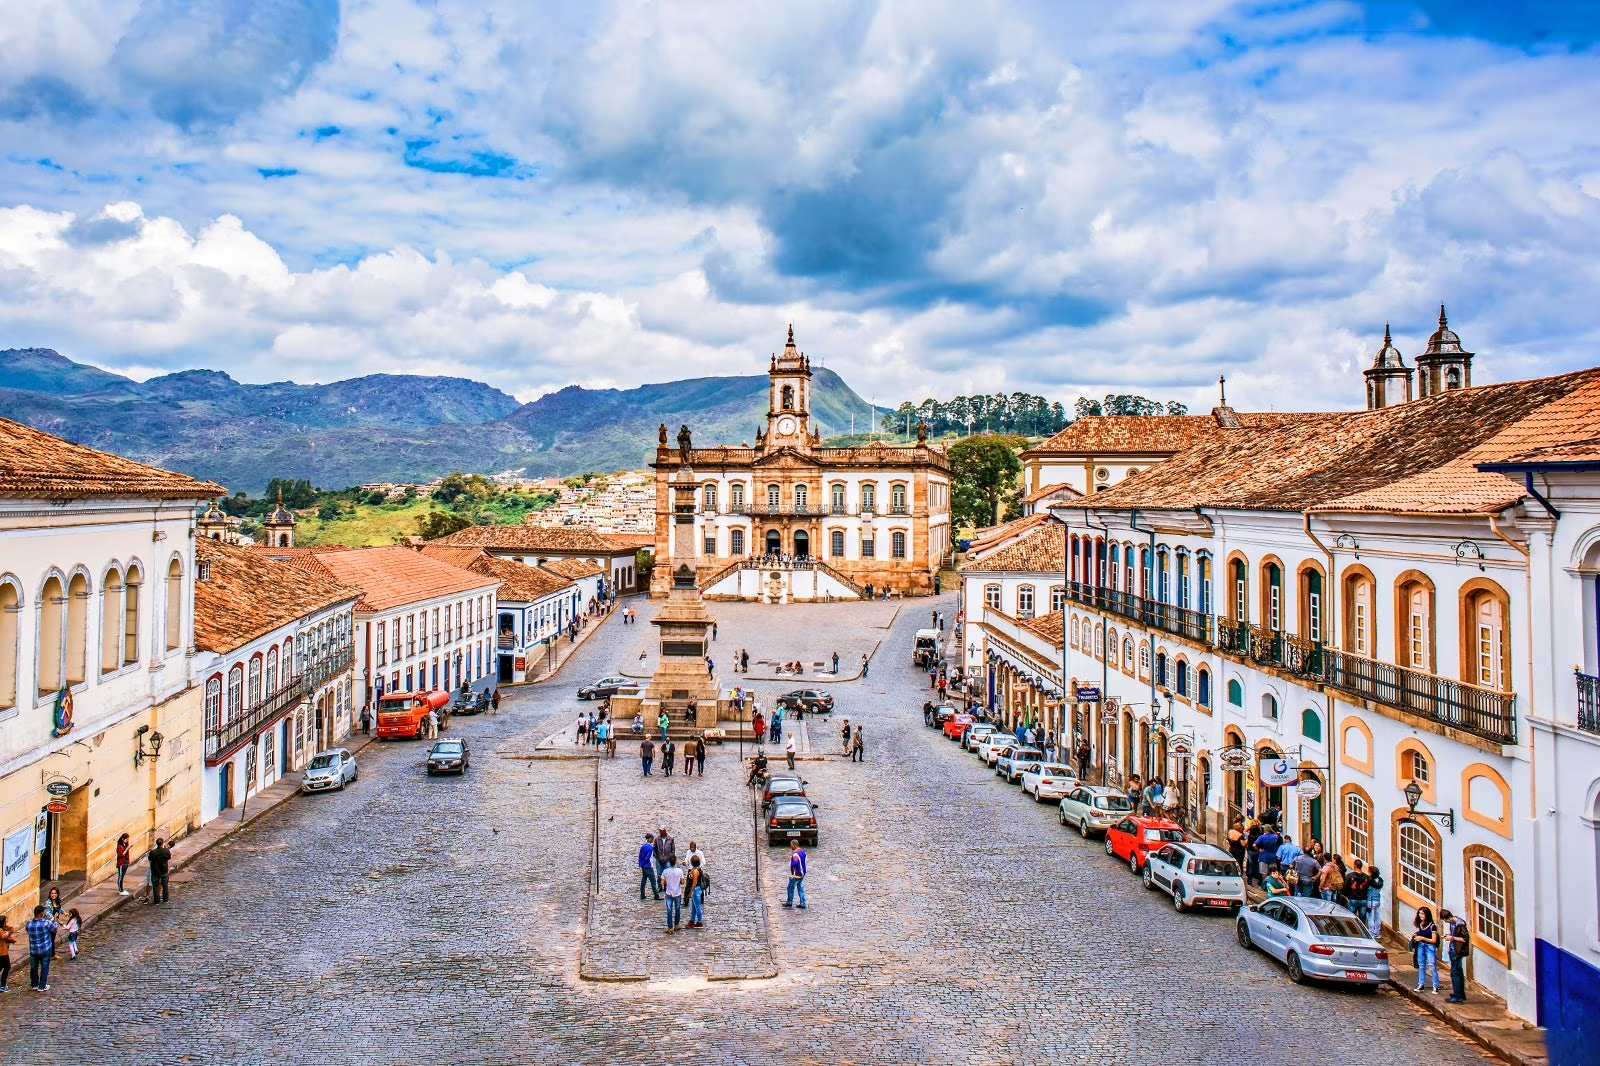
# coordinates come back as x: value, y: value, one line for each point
x: 956, y: 727
x: 781, y: 785
x: 1094, y: 808
x: 806, y: 699
x: 1048, y: 781
x: 1133, y: 839
x: 975, y: 734
x: 1315, y: 939
x: 792, y: 818
x: 987, y: 747
x: 1011, y: 765
x: 328, y: 770
x: 448, y: 756
x: 605, y: 687
x: 943, y: 713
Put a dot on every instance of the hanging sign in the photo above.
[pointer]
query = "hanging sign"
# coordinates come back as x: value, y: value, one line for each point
x: 1179, y: 744
x: 56, y: 806
x: 1277, y: 771
x: 1233, y: 759
x: 1309, y: 789
x: 1088, y: 694
x: 58, y: 788
x: 18, y: 858
x: 62, y: 714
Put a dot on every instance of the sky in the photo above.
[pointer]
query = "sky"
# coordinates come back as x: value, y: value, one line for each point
x: 1064, y: 197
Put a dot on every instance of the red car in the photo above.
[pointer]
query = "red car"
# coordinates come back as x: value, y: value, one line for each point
x: 1134, y: 838
x: 956, y: 727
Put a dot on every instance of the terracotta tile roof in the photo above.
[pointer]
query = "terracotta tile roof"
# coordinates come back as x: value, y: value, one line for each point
x: 1051, y: 627
x: 35, y: 465
x: 570, y: 539
x: 987, y: 539
x: 1414, y: 457
x: 523, y: 584
x: 391, y: 576
x: 1039, y: 552
x: 1147, y: 434
x: 1578, y: 451
x: 632, y: 540
x: 245, y: 595
x: 572, y: 569
x: 1047, y: 491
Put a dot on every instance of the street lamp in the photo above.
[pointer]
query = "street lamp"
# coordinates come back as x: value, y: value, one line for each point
x: 142, y: 753
x: 1413, y: 794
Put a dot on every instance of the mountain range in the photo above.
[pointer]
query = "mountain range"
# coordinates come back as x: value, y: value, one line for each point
x: 383, y: 427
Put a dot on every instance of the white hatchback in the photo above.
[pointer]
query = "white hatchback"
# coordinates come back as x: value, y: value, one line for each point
x: 1196, y: 875
x: 990, y: 747
x: 1048, y: 781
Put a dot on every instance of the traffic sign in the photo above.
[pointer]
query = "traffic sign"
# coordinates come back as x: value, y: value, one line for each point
x: 58, y: 788
x: 56, y: 807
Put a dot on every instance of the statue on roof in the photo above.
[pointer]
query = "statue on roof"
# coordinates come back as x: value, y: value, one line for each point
x: 684, y: 443
x: 662, y: 434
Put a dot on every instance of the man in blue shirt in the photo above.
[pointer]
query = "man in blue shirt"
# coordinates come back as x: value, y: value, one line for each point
x: 1288, y: 852
x: 41, y: 945
x: 647, y: 867
x: 797, y: 874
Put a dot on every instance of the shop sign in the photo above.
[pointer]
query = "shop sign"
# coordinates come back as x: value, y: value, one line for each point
x: 1310, y: 789
x: 521, y: 663
x: 1088, y: 694
x: 18, y: 858
x: 1179, y: 744
x: 1234, y: 759
x: 56, y: 807
x: 1277, y: 771
x: 58, y: 788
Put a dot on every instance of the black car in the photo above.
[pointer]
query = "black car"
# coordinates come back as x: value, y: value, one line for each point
x: 448, y: 756
x: 943, y: 713
x: 806, y: 699
x: 782, y: 786
x: 605, y: 687
x: 792, y: 818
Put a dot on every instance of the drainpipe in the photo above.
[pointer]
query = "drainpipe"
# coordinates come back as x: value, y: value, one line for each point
x: 1331, y: 806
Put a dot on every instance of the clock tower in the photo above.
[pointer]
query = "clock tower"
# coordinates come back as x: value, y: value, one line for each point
x: 789, y: 400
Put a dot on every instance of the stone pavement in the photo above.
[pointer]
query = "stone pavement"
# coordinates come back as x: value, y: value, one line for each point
x: 778, y: 633
x: 626, y: 939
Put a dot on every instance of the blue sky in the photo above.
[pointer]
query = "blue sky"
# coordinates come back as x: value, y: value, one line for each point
x: 944, y: 197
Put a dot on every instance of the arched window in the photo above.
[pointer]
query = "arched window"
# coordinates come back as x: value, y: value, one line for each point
x: 1144, y: 660
x: 1182, y: 673
x: 1127, y: 654
x: 1272, y: 592
x: 272, y: 666
x: 111, y: 621
x: 1359, y: 636
x: 1416, y: 636
x: 1202, y: 566
x: 709, y: 498
x: 1311, y: 725
x: 897, y: 499
x: 174, y: 605
x: 1161, y: 669
x: 1235, y: 692
x: 991, y: 597
x: 801, y: 499
x: 235, y: 694
x: 10, y: 642
x: 869, y: 498
x: 1240, y: 582
x: 1099, y: 641
x: 736, y: 495
x: 130, y: 614
x: 1419, y: 861
x: 1311, y: 605
x: 1183, y: 578
x: 836, y: 498
x: 897, y: 545
x: 213, y: 704
x: 253, y: 683
x: 788, y: 397
x: 774, y: 498
x: 1024, y: 596
x: 1485, y: 620
x: 1113, y: 571
x: 1127, y: 568
x: 1203, y: 685
x: 1358, y: 826
x: 52, y: 635
x: 1144, y: 572
x: 1163, y: 577
x: 288, y: 654
x: 1269, y: 707
x: 1074, y: 631
x: 77, y: 629
x: 1415, y: 765
x: 1491, y: 900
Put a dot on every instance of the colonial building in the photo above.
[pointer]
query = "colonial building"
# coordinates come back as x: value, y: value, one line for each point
x: 615, y: 554
x: 277, y: 653
x: 100, y: 723
x: 877, y: 514
x: 532, y: 607
x: 1387, y: 604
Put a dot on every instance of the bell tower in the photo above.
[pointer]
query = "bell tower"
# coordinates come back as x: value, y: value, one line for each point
x: 1444, y: 365
x: 789, y: 399
x: 279, y: 525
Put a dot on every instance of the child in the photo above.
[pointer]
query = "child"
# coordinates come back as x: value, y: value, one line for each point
x: 73, y: 927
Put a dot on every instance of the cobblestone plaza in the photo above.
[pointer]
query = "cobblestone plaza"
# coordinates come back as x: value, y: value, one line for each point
x: 416, y: 919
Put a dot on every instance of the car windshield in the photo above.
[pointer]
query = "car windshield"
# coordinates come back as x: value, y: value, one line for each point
x: 1056, y: 771
x: 447, y: 749
x: 1337, y: 925
x: 322, y: 762
x: 1214, y: 868
x: 785, y: 785
x: 1113, y: 803
x: 1167, y: 835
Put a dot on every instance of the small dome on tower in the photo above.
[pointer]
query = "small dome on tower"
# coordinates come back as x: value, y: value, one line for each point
x: 1444, y: 340
x: 1388, y: 356
x: 214, y: 515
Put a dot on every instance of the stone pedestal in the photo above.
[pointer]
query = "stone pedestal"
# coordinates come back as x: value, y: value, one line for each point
x: 683, y: 624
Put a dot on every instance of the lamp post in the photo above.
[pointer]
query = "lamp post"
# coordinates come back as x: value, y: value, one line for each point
x: 1413, y: 794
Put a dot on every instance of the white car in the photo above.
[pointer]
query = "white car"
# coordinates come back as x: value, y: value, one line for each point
x: 1048, y: 781
x: 1196, y: 875
x: 989, y: 747
x: 1094, y: 808
x: 976, y: 733
x: 1010, y: 765
x: 328, y: 770
x: 1314, y: 939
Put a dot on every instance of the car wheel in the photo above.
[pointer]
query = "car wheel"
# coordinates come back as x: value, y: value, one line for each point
x: 1083, y: 829
x: 1296, y: 974
x: 1149, y: 879
x: 1061, y: 816
x: 1133, y: 862
x: 1177, y: 898
x: 1243, y: 928
x: 341, y: 784
x: 1108, y: 845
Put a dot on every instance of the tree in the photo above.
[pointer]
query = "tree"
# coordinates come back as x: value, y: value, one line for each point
x: 983, y: 473
x: 436, y: 524
x: 297, y: 492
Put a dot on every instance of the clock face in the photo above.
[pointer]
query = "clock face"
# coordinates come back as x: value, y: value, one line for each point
x: 785, y: 425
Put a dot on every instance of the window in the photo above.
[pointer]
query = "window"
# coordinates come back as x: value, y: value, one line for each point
x: 1489, y: 901
x: 10, y: 642
x: 1489, y: 649
x: 897, y: 499
x: 1202, y: 565
x: 1127, y: 654
x: 1144, y: 660
x: 411, y: 639
x: 897, y: 545
x: 1417, y: 767
x: 111, y: 621
x: 1360, y: 638
x: 300, y: 730
x: 213, y: 704
x: 1074, y: 631
x: 288, y: 658
x: 269, y: 757
x: 869, y: 548
x: 1235, y: 692
x: 77, y: 642
x: 272, y: 670
x: 1418, y: 648
x: 1272, y: 574
x: 436, y: 624
x: 736, y: 542
x: 130, y: 615
x: 800, y: 492
x: 736, y: 495
x: 1358, y: 826
x: 1127, y: 568
x: 774, y: 498
x: 1311, y: 725
x: 1419, y: 861
x: 235, y: 693
x: 1241, y: 591
x: 1183, y: 679
x: 836, y: 499
x: 1113, y: 568
x: 1058, y: 597
x: 253, y: 686
x: 710, y: 546
x: 52, y: 636
x: 709, y: 499
x: 1183, y: 579
x: 788, y: 397
x: 836, y: 544
x: 1161, y: 668
x: 1099, y: 641
x: 1313, y: 606
x: 1024, y: 600
x: 869, y: 498
x: 1269, y: 707
x: 991, y: 599
x: 174, y: 605
x: 1203, y: 684
x: 1163, y: 584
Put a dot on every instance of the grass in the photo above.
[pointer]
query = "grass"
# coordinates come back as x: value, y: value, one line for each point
x: 370, y: 524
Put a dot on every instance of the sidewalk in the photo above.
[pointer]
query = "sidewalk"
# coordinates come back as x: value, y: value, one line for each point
x: 101, y: 899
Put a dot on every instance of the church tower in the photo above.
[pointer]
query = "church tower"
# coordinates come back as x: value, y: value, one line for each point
x: 1389, y: 379
x: 789, y: 400
x: 1444, y: 365
x: 279, y: 525
x: 213, y: 524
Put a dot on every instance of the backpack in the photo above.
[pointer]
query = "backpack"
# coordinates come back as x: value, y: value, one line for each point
x: 1291, y: 876
x: 1458, y: 928
x: 1336, y: 882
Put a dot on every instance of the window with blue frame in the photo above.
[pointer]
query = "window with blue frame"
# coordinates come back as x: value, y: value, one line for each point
x: 1183, y: 578
x: 1112, y: 576
x: 1202, y: 566
x: 1163, y: 582
x: 1161, y: 668
x: 1203, y: 686
x: 1183, y: 679
x: 1144, y: 572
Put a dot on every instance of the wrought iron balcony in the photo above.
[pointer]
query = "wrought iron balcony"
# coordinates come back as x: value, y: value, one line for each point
x: 229, y: 737
x: 1588, y: 702
x: 898, y: 508
x: 1483, y: 712
x: 838, y: 508
x: 1179, y: 621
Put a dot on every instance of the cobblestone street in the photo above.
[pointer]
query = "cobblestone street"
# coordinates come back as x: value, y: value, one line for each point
x: 951, y: 920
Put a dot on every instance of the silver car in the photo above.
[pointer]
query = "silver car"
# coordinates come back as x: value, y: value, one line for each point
x: 1094, y: 808
x: 976, y: 733
x: 1196, y: 875
x: 1011, y: 764
x: 1314, y: 938
x: 328, y: 770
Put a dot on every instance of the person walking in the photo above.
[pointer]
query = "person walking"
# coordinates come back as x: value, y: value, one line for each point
x: 858, y: 748
x: 672, y: 879
x: 647, y: 754
x: 1083, y: 759
x: 668, y: 756
x: 797, y: 875
x: 1459, y: 940
x: 697, y: 890
x: 835, y: 662
x: 663, y: 723
x: 647, y: 868
x: 41, y: 949
x: 713, y: 631
x: 865, y: 664
x: 694, y: 854
x: 433, y: 724
x: 700, y: 754
x: 844, y: 738
x: 788, y: 750
x: 775, y: 727
x: 744, y: 661
x: 122, y: 862
x: 160, y: 859
x: 1425, y: 941
x: 688, y: 757
x: 1374, y: 901
x: 74, y: 926
x: 1236, y: 844
x: 758, y: 724
x: 7, y: 938
x: 666, y: 853
x: 494, y: 701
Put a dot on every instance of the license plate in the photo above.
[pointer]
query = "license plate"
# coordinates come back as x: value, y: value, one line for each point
x: 794, y: 832
x: 1221, y: 903
x: 1357, y: 975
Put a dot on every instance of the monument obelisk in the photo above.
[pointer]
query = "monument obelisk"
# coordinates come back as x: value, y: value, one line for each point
x: 684, y: 625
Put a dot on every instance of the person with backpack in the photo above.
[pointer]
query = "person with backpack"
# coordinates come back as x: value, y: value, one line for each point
x: 1266, y: 849
x: 1458, y: 938
x: 695, y: 887
x: 1374, y: 901
x: 1355, y: 890
x: 1307, y: 872
x: 1330, y: 880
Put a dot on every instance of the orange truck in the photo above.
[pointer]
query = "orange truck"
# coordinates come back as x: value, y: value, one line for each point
x: 405, y: 714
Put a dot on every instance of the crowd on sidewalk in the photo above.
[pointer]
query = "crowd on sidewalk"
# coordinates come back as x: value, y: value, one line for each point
x: 672, y: 881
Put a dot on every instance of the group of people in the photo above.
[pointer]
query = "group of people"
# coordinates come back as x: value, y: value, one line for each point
x: 600, y: 731
x: 667, y: 878
x: 852, y: 743
x: 1272, y: 860
x: 1448, y: 938
x: 1154, y: 798
x: 694, y: 756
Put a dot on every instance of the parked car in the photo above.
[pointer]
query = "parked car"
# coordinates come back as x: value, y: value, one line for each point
x: 448, y: 756
x: 328, y: 770
x: 1011, y: 765
x: 956, y: 727
x: 811, y: 700
x: 1048, y: 781
x: 603, y: 688
x: 792, y: 818
x: 988, y: 745
x: 781, y: 785
x: 975, y: 733
x: 944, y: 712
x: 1195, y: 875
x: 1314, y: 938
x: 1132, y: 839
x: 1094, y: 808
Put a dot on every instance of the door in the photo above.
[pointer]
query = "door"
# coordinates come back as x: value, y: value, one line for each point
x: 225, y: 785
x: 802, y: 544
x: 505, y: 669
x: 774, y: 542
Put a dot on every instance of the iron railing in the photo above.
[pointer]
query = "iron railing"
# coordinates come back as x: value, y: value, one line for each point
x: 230, y: 736
x: 1588, y: 702
x: 1179, y: 621
x: 1481, y: 711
